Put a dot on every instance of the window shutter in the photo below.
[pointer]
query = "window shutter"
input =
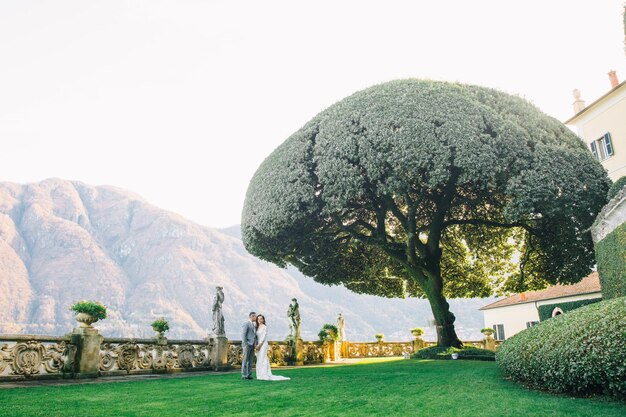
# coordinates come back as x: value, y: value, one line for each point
x: 594, y: 151
x: 608, y: 144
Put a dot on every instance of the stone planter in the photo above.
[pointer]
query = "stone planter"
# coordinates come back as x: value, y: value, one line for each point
x: 455, y: 356
x: 85, y: 319
x: 160, y: 338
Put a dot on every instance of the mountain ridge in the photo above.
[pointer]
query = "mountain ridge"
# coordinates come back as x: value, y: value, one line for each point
x: 62, y: 241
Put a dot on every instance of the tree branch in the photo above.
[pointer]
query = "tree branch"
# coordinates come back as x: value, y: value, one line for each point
x: 481, y: 222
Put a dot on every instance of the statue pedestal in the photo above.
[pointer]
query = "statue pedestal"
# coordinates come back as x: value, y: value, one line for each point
x: 344, y: 349
x: 219, y: 352
x: 296, y: 351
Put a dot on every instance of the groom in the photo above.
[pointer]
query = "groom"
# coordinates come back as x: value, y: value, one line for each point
x: 248, y: 339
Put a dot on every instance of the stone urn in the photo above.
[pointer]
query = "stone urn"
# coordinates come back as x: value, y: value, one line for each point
x: 379, y: 337
x: 160, y: 338
x: 85, y: 319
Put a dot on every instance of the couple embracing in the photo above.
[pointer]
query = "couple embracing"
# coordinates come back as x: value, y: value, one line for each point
x: 254, y: 338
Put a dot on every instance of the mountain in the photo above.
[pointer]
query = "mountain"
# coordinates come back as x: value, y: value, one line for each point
x: 63, y: 241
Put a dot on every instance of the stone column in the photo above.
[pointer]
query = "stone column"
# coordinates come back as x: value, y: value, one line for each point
x: 88, y: 341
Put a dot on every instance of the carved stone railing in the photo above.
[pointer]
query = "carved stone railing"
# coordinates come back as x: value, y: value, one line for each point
x: 278, y: 353
x: 135, y: 356
x: 313, y: 352
x: 376, y: 349
x: 34, y: 356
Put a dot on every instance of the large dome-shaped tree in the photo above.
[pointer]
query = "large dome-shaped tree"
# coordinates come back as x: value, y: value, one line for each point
x: 428, y: 189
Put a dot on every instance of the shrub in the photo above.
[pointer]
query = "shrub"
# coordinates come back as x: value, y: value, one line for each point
x: 160, y: 325
x: 93, y: 308
x: 581, y: 352
x: 616, y: 187
x: 611, y: 257
x: 379, y: 336
x: 487, y: 331
x: 328, y: 332
x: 443, y: 353
x: 545, y: 311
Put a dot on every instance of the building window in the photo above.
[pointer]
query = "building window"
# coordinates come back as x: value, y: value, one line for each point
x: 499, y: 331
x: 602, y: 148
x: 531, y: 323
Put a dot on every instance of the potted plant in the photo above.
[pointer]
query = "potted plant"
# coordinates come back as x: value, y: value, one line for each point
x: 487, y: 331
x: 488, y: 342
x: 160, y: 326
x: 417, y: 332
x: 88, y: 312
x: 379, y: 337
x: 418, y: 343
x: 328, y: 333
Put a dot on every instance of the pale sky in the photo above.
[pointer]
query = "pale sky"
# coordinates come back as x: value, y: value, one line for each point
x: 180, y: 101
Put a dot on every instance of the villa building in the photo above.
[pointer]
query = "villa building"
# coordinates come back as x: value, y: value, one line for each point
x: 513, y: 314
x: 602, y: 126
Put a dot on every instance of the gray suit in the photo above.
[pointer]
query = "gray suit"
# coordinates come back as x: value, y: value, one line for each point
x: 248, y: 339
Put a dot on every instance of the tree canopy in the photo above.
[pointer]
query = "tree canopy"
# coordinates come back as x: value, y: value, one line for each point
x: 415, y: 186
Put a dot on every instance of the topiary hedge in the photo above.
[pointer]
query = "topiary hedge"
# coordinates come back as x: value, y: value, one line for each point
x: 545, y: 311
x: 611, y: 258
x: 443, y: 353
x: 582, y: 352
x: 616, y: 187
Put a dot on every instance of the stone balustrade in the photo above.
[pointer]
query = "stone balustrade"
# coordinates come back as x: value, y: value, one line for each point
x: 136, y: 356
x: 34, y: 356
x: 85, y: 353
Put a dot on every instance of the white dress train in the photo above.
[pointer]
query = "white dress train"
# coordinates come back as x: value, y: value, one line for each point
x: 263, y: 369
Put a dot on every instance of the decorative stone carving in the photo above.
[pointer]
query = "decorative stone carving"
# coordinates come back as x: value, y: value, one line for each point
x: 370, y: 350
x: 31, y: 357
x: 313, y: 352
x: 153, y: 356
x: 235, y: 354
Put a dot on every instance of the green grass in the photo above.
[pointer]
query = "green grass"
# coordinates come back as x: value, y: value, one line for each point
x: 396, y: 387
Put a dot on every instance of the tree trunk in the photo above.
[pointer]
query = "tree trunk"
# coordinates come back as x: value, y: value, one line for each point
x: 444, y: 319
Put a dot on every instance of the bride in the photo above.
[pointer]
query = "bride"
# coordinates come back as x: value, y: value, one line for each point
x: 263, y: 370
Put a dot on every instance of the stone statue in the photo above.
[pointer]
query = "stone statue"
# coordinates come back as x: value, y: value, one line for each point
x: 218, y: 317
x: 340, y: 326
x: 294, y: 319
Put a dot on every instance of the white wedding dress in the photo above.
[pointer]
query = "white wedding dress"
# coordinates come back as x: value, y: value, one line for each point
x: 263, y: 369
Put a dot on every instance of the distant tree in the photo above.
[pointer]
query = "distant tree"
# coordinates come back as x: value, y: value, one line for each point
x: 428, y: 189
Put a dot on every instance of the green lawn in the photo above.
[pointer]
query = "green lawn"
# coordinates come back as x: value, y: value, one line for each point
x: 397, y: 387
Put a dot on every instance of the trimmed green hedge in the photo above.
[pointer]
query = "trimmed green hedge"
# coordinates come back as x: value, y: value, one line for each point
x: 616, y: 187
x: 582, y: 353
x: 611, y: 258
x: 545, y: 311
x: 443, y: 353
